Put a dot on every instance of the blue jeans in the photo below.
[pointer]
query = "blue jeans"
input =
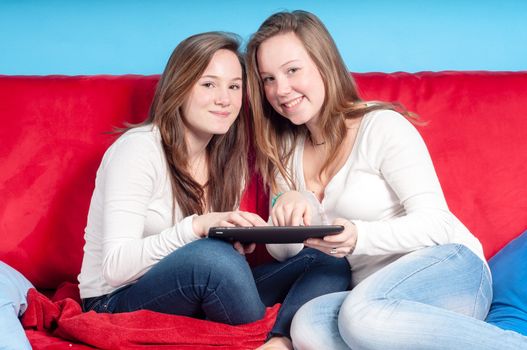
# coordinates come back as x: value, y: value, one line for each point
x: 305, y: 276
x: 209, y: 279
x: 13, y: 303
x: 433, y: 298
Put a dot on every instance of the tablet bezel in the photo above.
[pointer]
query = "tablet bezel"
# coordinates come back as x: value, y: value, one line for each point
x: 273, y: 234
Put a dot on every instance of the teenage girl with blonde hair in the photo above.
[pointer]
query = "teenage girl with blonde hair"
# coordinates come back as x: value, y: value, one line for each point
x: 419, y: 277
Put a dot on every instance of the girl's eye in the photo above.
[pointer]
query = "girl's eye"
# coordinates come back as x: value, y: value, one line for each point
x: 208, y: 85
x: 267, y: 80
x: 293, y: 70
x: 235, y: 87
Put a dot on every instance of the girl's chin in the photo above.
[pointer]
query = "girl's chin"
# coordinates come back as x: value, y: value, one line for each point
x: 297, y: 120
x: 221, y: 129
x: 300, y: 118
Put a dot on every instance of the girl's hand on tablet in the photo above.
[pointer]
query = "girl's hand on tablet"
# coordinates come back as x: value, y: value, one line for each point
x: 291, y: 209
x: 202, y: 223
x: 338, y: 245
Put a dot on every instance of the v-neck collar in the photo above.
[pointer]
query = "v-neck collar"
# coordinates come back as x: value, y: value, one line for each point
x: 299, y: 163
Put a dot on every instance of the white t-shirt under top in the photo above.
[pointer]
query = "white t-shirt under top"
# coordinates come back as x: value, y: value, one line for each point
x: 130, y: 225
x: 389, y: 189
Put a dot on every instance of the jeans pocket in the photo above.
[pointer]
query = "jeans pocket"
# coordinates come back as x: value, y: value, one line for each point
x: 93, y: 304
x: 104, y: 303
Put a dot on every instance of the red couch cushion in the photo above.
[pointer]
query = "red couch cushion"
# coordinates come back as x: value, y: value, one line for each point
x: 54, y: 128
x: 53, y: 137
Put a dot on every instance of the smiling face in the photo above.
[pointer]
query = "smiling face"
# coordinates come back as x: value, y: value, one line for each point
x: 292, y: 82
x: 215, y: 100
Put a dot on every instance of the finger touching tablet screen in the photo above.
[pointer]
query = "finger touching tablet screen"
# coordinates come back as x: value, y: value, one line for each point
x: 273, y: 234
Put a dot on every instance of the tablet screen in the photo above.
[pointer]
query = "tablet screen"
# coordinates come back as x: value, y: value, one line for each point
x: 273, y: 234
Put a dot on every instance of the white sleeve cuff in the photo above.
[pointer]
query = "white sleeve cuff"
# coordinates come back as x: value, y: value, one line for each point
x: 361, y: 245
x: 187, y: 229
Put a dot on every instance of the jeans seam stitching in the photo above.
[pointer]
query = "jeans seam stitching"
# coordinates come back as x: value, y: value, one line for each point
x: 479, y: 290
x: 222, y: 306
x: 213, y: 291
x: 458, y: 248
x: 141, y: 306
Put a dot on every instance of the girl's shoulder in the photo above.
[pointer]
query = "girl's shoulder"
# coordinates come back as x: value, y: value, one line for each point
x: 382, y: 129
x: 148, y: 131
x: 388, y: 123
x: 147, y: 136
x: 136, y: 143
x: 385, y: 118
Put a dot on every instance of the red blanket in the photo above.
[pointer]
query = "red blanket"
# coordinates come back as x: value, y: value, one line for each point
x: 45, y: 321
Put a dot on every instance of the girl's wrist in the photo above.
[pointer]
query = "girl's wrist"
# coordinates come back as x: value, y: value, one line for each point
x: 275, y: 198
x: 197, y: 227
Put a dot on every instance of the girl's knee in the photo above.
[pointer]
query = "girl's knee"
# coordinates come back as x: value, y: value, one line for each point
x: 363, y: 322
x: 208, y: 260
x: 207, y: 247
x: 306, y: 328
x: 303, y: 330
x: 315, y: 323
x: 206, y: 252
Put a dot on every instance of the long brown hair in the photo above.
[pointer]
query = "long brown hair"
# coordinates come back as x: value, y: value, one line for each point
x: 226, y: 154
x: 276, y: 136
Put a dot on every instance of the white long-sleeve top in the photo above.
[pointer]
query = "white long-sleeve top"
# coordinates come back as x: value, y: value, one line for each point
x: 130, y: 225
x: 389, y: 189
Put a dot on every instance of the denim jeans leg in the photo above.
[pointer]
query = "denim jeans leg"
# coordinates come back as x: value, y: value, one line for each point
x: 206, y: 279
x: 315, y: 325
x: 297, y: 280
x: 434, y: 298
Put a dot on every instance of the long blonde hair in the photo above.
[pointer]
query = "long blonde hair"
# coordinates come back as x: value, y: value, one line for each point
x: 275, y: 135
x: 227, y: 154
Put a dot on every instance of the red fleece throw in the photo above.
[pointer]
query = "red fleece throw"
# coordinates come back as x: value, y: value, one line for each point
x: 139, y: 329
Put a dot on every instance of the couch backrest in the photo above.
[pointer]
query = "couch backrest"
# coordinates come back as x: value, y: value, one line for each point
x: 53, y: 136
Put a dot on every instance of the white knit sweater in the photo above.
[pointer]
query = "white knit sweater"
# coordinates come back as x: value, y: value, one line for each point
x: 389, y: 189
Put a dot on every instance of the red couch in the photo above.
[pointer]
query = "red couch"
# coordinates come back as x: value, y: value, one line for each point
x: 54, y: 132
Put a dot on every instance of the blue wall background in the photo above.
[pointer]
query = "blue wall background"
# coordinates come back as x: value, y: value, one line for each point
x: 136, y: 36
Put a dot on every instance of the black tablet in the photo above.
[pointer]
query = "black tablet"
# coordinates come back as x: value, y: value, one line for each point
x: 273, y: 234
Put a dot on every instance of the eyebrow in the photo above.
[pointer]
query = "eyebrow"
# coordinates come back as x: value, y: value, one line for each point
x: 217, y: 77
x: 285, y: 64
